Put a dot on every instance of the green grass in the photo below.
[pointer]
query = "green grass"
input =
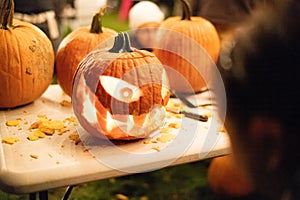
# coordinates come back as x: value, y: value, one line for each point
x: 182, y: 182
x: 110, y: 20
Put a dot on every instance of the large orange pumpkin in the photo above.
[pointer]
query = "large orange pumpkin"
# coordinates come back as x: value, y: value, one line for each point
x: 175, y: 47
x: 121, y: 93
x: 75, y: 46
x: 227, y: 178
x: 27, y: 60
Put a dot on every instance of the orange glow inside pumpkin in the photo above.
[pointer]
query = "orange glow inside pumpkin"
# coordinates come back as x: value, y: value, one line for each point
x: 119, y: 125
x: 88, y: 111
x: 165, y: 82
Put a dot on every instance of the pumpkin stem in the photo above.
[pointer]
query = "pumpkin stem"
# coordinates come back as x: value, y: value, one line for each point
x: 6, y: 13
x: 121, y: 44
x: 186, y: 10
x: 127, y: 45
x: 96, y: 26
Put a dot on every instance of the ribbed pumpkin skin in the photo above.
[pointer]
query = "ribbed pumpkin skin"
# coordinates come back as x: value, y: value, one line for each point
x: 225, y: 177
x: 140, y: 68
x: 147, y: 77
x: 198, y: 30
x: 27, y: 64
x: 73, y: 49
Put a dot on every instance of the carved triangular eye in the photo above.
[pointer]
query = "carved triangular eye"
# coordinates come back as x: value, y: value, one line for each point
x: 120, y: 89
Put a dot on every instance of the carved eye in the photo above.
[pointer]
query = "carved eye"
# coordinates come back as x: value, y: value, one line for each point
x: 120, y: 90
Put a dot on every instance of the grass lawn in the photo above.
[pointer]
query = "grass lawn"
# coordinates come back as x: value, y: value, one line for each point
x: 182, y: 182
x: 110, y: 20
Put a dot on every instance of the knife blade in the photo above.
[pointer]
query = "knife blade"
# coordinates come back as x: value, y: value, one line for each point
x: 184, y: 99
x: 191, y: 115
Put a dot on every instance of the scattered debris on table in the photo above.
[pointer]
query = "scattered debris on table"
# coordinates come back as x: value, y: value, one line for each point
x: 10, y: 140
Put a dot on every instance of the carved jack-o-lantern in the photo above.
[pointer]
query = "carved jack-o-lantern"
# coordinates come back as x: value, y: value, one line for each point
x: 120, y: 93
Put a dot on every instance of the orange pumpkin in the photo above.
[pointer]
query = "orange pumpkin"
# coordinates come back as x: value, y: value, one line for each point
x: 121, y: 93
x: 175, y: 47
x: 27, y: 60
x: 225, y: 177
x: 75, y: 46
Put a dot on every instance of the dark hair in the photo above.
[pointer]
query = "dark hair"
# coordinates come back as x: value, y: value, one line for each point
x: 264, y: 78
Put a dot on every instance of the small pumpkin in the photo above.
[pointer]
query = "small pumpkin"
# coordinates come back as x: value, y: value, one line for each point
x: 27, y: 59
x: 226, y: 178
x: 75, y: 46
x: 120, y: 93
x: 175, y: 47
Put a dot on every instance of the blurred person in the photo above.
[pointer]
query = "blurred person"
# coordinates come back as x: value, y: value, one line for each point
x: 69, y: 9
x: 227, y: 16
x: 166, y: 6
x: 144, y: 19
x: 262, y: 91
x: 71, y: 3
x: 42, y: 14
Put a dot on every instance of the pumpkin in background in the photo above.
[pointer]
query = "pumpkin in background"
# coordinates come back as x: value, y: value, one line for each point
x: 175, y: 47
x: 75, y: 46
x: 27, y: 60
x: 120, y: 93
x: 226, y: 178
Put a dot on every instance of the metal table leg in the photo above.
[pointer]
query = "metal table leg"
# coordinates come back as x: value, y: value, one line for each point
x: 43, y: 195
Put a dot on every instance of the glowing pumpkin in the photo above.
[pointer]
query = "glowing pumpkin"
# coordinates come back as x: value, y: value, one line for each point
x: 27, y: 59
x: 121, y: 93
x: 175, y: 47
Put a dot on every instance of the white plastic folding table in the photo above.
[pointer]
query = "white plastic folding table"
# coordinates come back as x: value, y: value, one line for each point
x: 60, y: 160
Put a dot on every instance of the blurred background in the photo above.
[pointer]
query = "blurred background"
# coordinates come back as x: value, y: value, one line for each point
x: 76, y: 13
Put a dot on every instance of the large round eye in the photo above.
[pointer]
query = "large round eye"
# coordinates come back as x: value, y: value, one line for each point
x: 120, y: 89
